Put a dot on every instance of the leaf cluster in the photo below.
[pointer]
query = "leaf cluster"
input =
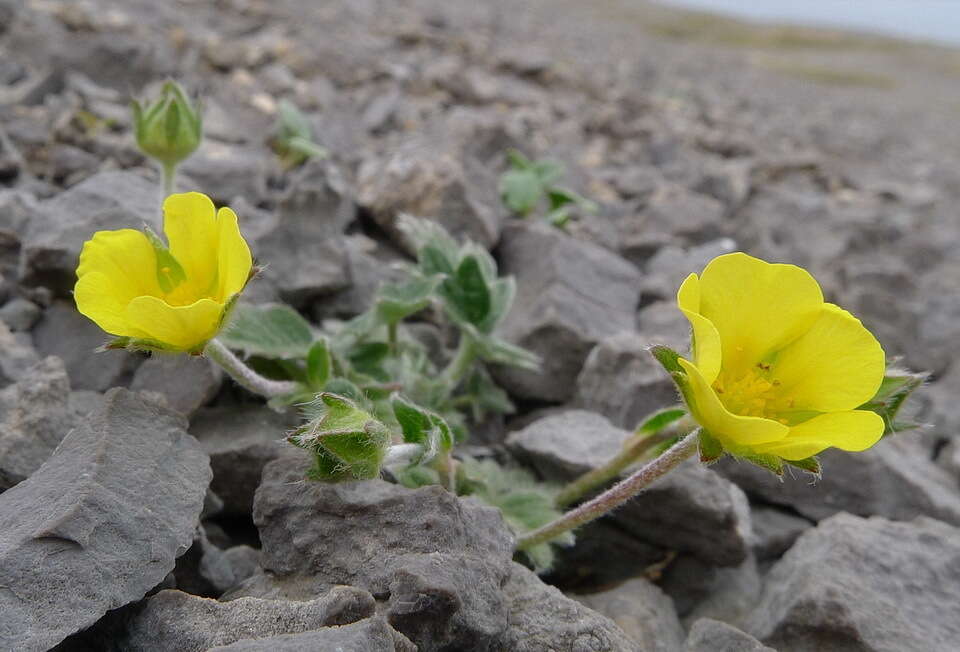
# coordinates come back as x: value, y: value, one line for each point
x: 293, y: 137
x: 528, y: 186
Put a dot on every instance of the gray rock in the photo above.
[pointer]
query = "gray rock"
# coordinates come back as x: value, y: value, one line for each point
x: 371, y: 635
x: 542, y: 618
x: 17, y: 208
x: 896, y: 478
x: 667, y: 269
x: 427, y: 180
x: 224, y: 171
x: 240, y: 440
x: 661, y: 322
x: 100, y: 523
x: 204, y: 570
x: 35, y: 416
x: 65, y: 333
x: 864, y: 584
x: 244, y: 561
x: 774, y: 531
x: 313, y: 214
x: 187, y: 382
x: 686, y: 510
x: 57, y: 230
x: 949, y: 457
x: 20, y: 314
x: 370, y: 264
x: 437, y: 560
x: 642, y: 611
x: 684, y: 217
x: 174, y: 620
x: 570, y: 295
x: 944, y: 410
x: 708, y: 635
x: 702, y: 590
x: 623, y: 382
x: 17, y: 355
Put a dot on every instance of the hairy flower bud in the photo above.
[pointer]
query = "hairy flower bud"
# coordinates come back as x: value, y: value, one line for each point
x: 170, y: 128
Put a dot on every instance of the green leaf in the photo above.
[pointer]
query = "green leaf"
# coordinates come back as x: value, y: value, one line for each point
x: 420, y: 426
x: 368, y: 357
x: 395, y: 301
x: 491, y: 348
x: 434, y: 261
x: 269, y: 331
x: 465, y: 294
x: 659, y: 420
x: 521, y: 190
x: 559, y: 197
x: 502, y: 292
x: 517, y: 160
x: 547, y: 171
x: 414, y: 477
x: 525, y: 503
x: 318, y: 364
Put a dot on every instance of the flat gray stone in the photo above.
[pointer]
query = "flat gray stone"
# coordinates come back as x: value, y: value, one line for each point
x: 708, y: 635
x: 17, y: 355
x: 570, y: 295
x: 541, y: 618
x: 65, y: 333
x: 895, y: 478
x: 686, y: 510
x: 642, y: 611
x: 438, y: 561
x: 100, y: 523
x: 775, y: 530
x: 174, y: 620
x: 623, y: 382
x: 187, y: 382
x: 864, y: 584
x: 60, y: 226
x: 371, y: 635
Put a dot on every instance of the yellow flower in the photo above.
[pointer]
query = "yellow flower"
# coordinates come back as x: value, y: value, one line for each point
x: 776, y: 371
x: 173, y: 299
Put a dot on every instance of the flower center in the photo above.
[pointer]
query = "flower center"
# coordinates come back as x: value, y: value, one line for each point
x: 752, y: 393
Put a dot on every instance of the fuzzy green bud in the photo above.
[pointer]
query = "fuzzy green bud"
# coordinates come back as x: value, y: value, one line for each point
x: 170, y: 128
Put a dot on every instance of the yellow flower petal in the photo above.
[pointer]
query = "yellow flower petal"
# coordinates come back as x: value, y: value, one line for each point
x: 97, y: 297
x: 190, y: 224
x: 836, y: 365
x: 757, y: 307
x: 732, y: 430
x: 706, y: 339
x: 234, y: 255
x: 185, y: 328
x: 852, y: 430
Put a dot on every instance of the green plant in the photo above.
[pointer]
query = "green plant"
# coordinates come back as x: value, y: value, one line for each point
x: 529, y: 186
x: 293, y: 137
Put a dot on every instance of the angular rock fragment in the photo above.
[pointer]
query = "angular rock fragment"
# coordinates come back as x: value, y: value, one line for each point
x: 240, y: 440
x: 371, y: 635
x: 864, y: 584
x: 642, y: 611
x: 623, y: 382
x: 174, y: 620
x: 708, y: 635
x: 17, y: 355
x: 56, y: 232
x: 65, y: 333
x: 100, y: 523
x: 542, y: 618
x: 686, y: 510
x: 187, y: 382
x: 570, y: 295
x: 439, y: 561
x: 896, y: 478
x: 774, y: 531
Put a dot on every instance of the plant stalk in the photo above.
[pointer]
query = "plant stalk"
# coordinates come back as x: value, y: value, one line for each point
x: 460, y: 364
x: 168, y: 171
x: 402, y: 454
x: 615, y: 495
x: 633, y: 450
x: 244, y: 375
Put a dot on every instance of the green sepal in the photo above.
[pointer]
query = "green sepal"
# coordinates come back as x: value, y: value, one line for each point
x: 669, y: 360
x: 809, y: 464
x: 141, y: 345
x: 892, y: 395
x: 771, y: 463
x: 710, y: 447
x: 347, y: 441
x: 169, y: 271
x: 170, y: 128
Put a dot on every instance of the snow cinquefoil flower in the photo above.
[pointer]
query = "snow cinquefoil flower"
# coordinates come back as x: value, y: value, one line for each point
x: 172, y: 298
x: 777, y: 373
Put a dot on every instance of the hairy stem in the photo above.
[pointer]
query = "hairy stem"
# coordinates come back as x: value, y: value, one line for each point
x: 633, y: 450
x: 402, y: 454
x: 615, y: 495
x: 168, y: 171
x: 460, y: 364
x: 244, y: 375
